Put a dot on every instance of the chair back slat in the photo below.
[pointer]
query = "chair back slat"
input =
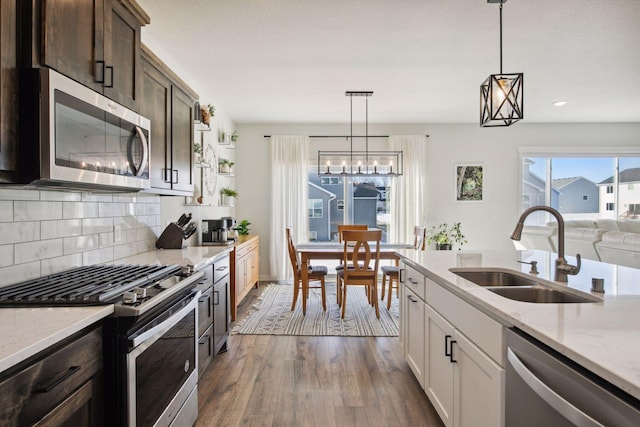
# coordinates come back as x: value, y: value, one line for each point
x: 359, y: 253
x: 348, y: 227
x: 293, y: 254
x: 419, y: 237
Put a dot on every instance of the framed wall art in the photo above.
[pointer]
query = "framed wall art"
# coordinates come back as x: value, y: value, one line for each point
x: 469, y: 182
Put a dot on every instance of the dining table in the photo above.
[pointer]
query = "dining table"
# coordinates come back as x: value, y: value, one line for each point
x: 334, y: 251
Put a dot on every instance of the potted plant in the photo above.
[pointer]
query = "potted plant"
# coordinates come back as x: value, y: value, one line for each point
x: 234, y: 136
x: 197, y: 152
x: 243, y: 227
x: 228, y: 196
x: 223, y: 166
x: 207, y: 112
x: 445, y: 235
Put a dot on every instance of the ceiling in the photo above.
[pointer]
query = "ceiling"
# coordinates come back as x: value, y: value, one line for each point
x: 291, y: 61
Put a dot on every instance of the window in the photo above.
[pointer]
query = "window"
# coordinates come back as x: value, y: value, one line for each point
x: 581, y: 188
x: 330, y: 180
x: 315, y: 208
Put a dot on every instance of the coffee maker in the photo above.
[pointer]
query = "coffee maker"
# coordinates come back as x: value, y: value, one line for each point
x: 218, y: 231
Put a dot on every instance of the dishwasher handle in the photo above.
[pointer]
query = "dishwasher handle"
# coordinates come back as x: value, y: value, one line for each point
x: 559, y: 403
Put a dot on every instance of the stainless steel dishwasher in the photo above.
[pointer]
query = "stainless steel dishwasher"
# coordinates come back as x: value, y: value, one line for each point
x: 544, y: 388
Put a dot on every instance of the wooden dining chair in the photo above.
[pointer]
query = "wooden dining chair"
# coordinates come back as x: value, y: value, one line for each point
x: 393, y: 271
x: 316, y: 274
x: 341, y: 229
x: 362, y: 263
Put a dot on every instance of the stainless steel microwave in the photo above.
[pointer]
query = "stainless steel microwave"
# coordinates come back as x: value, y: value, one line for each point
x: 74, y: 137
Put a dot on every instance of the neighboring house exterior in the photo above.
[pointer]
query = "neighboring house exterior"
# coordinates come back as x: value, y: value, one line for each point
x: 319, y: 212
x: 326, y: 206
x: 576, y: 195
x: 533, y: 193
x: 628, y: 195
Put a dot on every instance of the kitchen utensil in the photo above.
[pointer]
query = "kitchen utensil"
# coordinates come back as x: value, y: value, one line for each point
x: 182, y: 218
x: 189, y: 230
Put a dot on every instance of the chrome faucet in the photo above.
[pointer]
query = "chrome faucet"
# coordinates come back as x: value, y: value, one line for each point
x: 562, y: 267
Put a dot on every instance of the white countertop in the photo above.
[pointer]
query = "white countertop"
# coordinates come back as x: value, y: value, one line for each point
x: 26, y: 331
x: 603, y: 337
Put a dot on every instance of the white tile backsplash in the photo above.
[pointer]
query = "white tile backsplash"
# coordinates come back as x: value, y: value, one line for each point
x: 16, y: 232
x: 60, y: 228
x: 6, y: 255
x: 32, y: 210
x: 40, y: 249
x: 45, y: 232
x: 6, y: 210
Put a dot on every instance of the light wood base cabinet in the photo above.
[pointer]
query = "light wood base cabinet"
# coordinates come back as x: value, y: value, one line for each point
x: 245, y: 265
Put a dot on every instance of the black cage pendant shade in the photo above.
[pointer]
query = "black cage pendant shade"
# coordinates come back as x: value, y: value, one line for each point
x: 501, y: 95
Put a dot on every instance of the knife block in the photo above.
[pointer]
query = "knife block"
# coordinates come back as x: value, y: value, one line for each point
x: 171, y: 238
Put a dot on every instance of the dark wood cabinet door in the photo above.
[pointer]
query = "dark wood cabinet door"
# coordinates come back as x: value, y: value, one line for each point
x: 122, y: 54
x: 155, y: 105
x: 72, y: 34
x: 8, y: 89
x: 182, y: 140
x: 84, y: 408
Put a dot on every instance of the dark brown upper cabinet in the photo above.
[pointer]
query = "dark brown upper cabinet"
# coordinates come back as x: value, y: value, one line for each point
x: 97, y: 43
x: 8, y: 89
x: 169, y: 103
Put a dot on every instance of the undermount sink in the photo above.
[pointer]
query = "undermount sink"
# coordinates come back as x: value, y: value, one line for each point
x: 519, y: 286
x: 542, y: 294
x: 496, y: 277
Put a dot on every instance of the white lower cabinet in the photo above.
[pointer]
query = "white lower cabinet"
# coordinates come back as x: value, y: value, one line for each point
x: 464, y: 384
x: 478, y: 386
x: 415, y: 338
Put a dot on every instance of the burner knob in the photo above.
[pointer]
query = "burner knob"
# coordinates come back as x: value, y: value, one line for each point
x: 140, y: 292
x: 129, y: 298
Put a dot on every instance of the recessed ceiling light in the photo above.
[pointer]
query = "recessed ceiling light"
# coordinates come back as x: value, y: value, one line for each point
x: 560, y: 103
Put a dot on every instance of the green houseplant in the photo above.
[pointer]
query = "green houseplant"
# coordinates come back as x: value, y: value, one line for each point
x: 243, y: 227
x: 445, y: 235
x: 228, y: 196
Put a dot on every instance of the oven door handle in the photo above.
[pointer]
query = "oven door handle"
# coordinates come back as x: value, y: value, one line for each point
x: 163, y: 327
x: 559, y: 403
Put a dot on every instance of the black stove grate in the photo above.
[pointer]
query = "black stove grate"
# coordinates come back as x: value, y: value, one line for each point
x: 91, y: 285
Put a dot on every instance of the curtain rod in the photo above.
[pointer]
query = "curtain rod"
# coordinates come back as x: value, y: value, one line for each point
x: 344, y: 136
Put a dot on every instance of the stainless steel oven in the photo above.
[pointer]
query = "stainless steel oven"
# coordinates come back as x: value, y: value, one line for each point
x: 161, y: 367
x: 150, y: 343
x: 72, y: 136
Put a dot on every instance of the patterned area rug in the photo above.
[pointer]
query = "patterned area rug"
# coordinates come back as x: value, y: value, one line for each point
x: 272, y: 315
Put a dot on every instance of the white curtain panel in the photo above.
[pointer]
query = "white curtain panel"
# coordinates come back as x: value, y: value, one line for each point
x: 408, y: 191
x: 289, y: 193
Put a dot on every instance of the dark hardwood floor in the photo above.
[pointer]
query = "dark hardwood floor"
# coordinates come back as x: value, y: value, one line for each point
x: 266, y: 380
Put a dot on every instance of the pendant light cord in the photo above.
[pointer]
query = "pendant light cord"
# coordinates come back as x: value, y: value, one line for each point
x: 501, y: 36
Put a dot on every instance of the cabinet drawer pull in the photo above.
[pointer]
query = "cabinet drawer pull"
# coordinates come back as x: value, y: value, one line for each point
x: 110, y: 69
x: 451, y: 359
x: 216, y: 297
x: 172, y: 171
x: 412, y: 280
x: 447, y: 352
x: 410, y: 297
x: 57, y: 381
x: 99, y: 66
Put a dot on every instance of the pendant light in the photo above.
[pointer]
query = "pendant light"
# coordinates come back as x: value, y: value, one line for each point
x: 501, y: 95
x: 360, y: 163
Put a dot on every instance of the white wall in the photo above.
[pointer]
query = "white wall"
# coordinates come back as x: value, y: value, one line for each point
x: 488, y: 224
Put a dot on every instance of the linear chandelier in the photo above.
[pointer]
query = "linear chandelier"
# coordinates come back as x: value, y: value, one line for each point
x: 360, y: 163
x: 501, y: 95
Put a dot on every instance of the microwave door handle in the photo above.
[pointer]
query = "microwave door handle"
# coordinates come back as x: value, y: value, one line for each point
x: 137, y: 171
x: 559, y: 403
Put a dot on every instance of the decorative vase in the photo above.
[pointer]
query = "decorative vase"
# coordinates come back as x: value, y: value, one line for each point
x: 443, y: 246
x: 206, y: 117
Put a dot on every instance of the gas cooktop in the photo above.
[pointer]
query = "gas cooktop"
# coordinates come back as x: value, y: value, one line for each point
x: 133, y: 289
